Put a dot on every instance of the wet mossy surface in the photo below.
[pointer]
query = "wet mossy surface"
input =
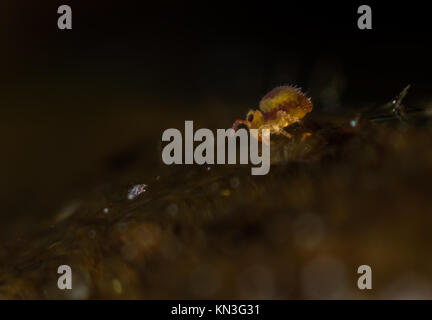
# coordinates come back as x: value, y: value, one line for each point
x: 341, y: 197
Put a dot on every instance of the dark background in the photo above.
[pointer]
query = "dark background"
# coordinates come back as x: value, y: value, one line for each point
x: 75, y: 106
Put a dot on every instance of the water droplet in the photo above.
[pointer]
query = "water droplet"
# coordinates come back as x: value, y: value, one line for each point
x: 235, y: 182
x: 117, y: 286
x: 92, y: 234
x: 136, y: 191
x: 172, y: 209
x: 67, y: 211
x: 226, y: 192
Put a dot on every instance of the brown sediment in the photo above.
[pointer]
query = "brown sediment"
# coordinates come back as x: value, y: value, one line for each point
x: 337, y: 196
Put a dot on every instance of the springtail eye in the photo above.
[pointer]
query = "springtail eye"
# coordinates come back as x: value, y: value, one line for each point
x: 250, y: 117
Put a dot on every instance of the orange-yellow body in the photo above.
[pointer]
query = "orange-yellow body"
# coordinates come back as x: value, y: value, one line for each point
x: 279, y: 108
